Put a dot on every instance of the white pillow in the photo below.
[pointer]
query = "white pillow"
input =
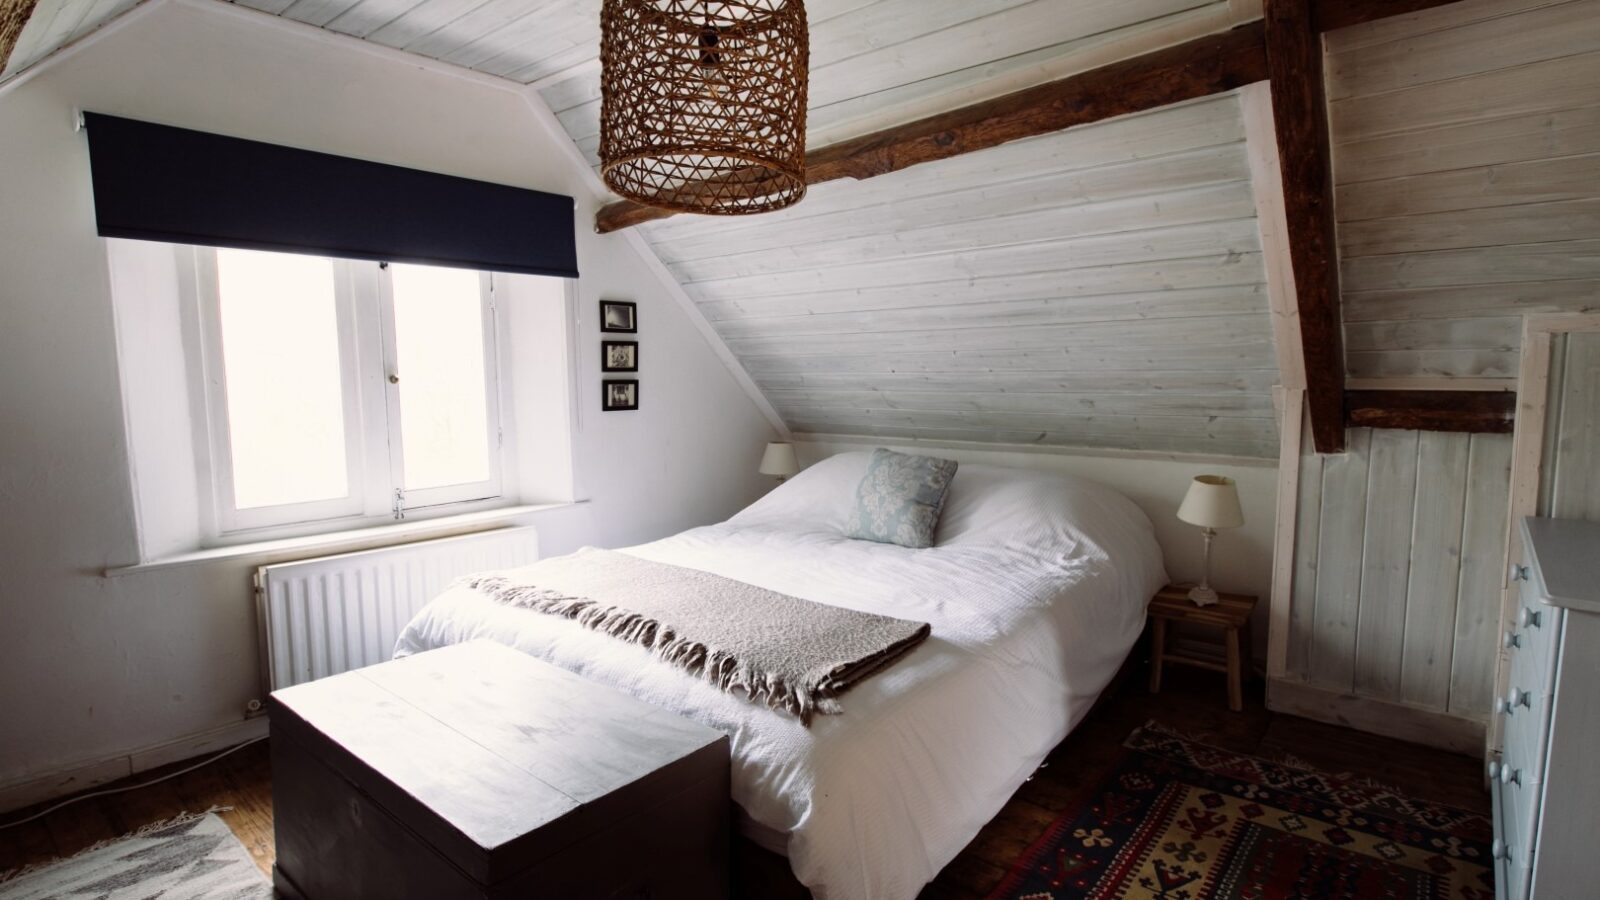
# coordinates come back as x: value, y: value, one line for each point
x: 820, y: 498
x: 996, y: 505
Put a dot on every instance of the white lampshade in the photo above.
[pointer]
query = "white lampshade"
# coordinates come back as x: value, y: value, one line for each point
x: 779, y: 460
x: 1212, y: 502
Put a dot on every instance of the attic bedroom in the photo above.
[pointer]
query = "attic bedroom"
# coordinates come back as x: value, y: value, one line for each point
x: 844, y: 449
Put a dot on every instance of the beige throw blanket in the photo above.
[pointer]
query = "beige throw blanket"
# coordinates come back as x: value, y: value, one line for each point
x: 794, y: 655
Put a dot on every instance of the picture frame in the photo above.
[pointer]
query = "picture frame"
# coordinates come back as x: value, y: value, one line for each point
x: 619, y: 394
x: 619, y: 316
x: 619, y: 356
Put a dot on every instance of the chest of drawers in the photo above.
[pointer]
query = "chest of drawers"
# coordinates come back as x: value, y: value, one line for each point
x: 1546, y: 782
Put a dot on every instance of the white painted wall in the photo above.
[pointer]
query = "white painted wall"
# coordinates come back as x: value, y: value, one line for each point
x: 1241, y: 558
x: 93, y: 667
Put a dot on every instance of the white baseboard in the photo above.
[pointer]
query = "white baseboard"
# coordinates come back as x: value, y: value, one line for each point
x: 1388, y: 718
x: 85, y: 774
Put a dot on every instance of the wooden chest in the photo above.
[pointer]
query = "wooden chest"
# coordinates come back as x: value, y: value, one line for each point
x: 476, y: 771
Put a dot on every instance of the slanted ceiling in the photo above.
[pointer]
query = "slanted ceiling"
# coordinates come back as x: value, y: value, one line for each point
x: 1098, y: 287
x: 873, y: 62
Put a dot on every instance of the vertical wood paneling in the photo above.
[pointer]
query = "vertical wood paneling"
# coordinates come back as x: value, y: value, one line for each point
x: 1307, y: 535
x: 1340, y: 544
x: 1434, y: 581
x: 1483, y: 535
x: 1575, y: 482
x: 1398, y: 549
x: 1385, y: 560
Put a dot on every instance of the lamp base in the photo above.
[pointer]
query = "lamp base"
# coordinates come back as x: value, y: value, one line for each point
x: 1202, y: 596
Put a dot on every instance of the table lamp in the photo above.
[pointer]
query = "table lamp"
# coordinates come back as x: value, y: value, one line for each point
x: 779, y: 460
x: 1212, y: 503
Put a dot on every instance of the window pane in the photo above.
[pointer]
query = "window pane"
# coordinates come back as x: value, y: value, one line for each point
x: 438, y: 324
x: 280, y: 347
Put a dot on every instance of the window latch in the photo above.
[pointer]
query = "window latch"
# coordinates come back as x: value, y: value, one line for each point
x: 399, y: 503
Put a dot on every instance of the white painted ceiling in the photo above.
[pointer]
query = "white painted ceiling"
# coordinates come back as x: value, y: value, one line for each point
x: 1098, y: 287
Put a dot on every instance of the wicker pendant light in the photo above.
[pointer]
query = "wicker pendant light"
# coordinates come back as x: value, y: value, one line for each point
x: 703, y: 103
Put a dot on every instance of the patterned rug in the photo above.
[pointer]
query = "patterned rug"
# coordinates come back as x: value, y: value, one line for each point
x: 1182, y: 820
x: 192, y: 858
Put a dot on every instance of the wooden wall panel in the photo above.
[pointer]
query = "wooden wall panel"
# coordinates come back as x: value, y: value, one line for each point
x: 1398, y: 548
x: 1572, y: 449
x: 1477, y: 615
x: 1097, y: 287
x: 1385, y: 560
x: 1341, y: 540
x: 1433, y: 583
x: 1467, y: 179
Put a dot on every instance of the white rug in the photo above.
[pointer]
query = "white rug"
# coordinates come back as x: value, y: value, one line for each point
x: 196, y: 858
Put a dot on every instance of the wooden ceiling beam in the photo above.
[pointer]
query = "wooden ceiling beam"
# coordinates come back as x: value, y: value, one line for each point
x: 13, y: 16
x: 1491, y: 412
x: 1209, y: 65
x: 1300, y: 118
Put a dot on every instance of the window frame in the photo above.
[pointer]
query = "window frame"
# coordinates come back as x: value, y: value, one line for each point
x: 374, y: 454
x: 425, y: 498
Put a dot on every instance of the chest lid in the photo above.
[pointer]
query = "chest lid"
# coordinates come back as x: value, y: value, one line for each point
x: 495, y: 759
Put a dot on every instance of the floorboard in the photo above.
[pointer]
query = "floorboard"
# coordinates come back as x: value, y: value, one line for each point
x: 1191, y: 701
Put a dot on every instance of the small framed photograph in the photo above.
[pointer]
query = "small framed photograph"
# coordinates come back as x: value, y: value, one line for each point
x: 619, y: 316
x: 619, y: 356
x: 618, y: 395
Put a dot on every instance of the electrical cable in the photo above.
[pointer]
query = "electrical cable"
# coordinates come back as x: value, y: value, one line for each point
x: 133, y: 787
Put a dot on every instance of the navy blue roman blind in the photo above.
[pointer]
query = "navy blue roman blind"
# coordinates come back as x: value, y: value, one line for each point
x: 157, y: 183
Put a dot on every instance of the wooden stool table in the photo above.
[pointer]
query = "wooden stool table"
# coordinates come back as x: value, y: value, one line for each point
x: 1231, y: 613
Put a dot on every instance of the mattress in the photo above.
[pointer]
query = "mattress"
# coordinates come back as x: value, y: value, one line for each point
x: 1035, y: 591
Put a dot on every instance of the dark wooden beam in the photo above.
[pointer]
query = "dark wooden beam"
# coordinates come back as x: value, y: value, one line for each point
x: 1300, y: 118
x: 1197, y: 68
x: 13, y: 16
x: 1330, y: 14
x: 1491, y: 412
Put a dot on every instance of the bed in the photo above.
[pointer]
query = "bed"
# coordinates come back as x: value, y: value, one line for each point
x: 1035, y: 590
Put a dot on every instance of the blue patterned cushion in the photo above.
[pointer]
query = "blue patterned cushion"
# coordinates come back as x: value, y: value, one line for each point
x: 900, y: 499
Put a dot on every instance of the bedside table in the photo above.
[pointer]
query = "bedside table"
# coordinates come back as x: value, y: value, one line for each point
x: 1231, y: 614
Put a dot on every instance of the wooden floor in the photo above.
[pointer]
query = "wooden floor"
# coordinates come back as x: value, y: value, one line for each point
x: 1192, y: 702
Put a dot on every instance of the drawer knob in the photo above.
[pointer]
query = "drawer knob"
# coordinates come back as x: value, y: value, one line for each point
x: 1519, y: 573
x: 1505, y: 706
x: 1509, y: 775
x: 1519, y: 697
x: 1512, y: 640
x: 1499, y: 850
x: 1527, y: 618
x: 1494, y: 771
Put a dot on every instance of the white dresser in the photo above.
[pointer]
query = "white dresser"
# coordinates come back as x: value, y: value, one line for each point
x: 1546, y: 784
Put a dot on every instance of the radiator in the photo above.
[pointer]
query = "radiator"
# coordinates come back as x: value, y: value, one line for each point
x: 323, y: 616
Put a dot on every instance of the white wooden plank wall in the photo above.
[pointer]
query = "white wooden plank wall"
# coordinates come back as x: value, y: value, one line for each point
x: 1467, y: 173
x: 1571, y: 481
x: 1396, y: 572
x: 1099, y: 287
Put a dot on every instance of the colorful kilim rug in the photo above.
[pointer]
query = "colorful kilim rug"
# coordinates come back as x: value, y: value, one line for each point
x: 1181, y: 820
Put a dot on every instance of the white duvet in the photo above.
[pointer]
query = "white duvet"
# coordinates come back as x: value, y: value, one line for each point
x: 1035, y: 589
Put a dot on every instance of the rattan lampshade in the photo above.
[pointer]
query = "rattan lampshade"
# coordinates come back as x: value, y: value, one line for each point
x: 703, y: 103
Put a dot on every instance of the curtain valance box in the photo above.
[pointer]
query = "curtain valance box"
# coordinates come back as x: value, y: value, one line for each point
x: 155, y: 182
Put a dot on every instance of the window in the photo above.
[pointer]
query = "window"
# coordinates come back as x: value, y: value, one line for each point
x: 337, y: 389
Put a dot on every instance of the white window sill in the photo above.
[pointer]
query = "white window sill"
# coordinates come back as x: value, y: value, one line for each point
x: 265, y: 552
